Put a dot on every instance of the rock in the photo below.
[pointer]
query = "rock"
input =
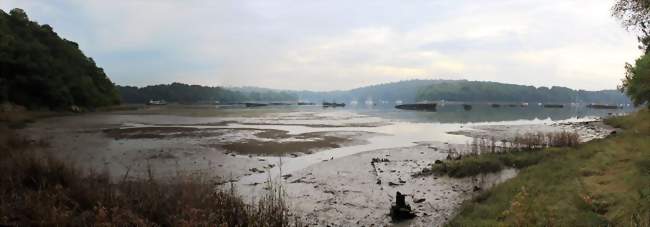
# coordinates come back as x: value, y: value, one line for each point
x: 400, y: 210
x: 438, y: 162
x: 420, y: 200
x: 477, y: 188
x: 378, y: 181
x: 393, y: 184
x: 286, y: 176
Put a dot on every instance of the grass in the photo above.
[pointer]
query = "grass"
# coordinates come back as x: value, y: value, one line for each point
x: 472, y: 165
x: 602, y: 182
x: 489, y: 155
x: 38, y: 190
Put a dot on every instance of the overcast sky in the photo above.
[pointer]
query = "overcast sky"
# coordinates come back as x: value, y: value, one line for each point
x: 340, y: 44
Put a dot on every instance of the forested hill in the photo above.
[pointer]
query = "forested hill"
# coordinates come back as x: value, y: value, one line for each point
x: 39, y: 69
x: 183, y: 93
x: 402, y: 90
x: 479, y: 91
x: 465, y: 91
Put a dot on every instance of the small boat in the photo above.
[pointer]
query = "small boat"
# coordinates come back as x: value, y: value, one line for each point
x: 157, y: 102
x: 279, y: 104
x: 251, y: 104
x: 333, y: 104
x: 553, y: 105
x: 306, y: 103
x: 418, y: 106
x: 495, y: 105
x: 467, y: 107
x: 603, y: 106
x: 512, y: 105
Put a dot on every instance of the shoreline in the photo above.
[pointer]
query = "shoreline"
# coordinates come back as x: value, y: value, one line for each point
x: 134, y: 142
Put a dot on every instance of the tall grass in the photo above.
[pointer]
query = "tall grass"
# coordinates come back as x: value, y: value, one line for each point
x: 39, y: 190
x: 488, y: 155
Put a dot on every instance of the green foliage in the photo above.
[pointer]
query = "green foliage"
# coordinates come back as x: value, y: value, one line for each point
x: 635, y: 16
x: 40, y: 69
x: 636, y: 83
x: 480, y: 91
x: 183, y: 93
x: 473, y: 165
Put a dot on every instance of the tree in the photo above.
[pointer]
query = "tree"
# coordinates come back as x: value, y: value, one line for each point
x: 635, y: 16
x: 39, y: 69
x: 636, y: 83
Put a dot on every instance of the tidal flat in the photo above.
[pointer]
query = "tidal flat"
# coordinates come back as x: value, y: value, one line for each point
x: 321, y: 157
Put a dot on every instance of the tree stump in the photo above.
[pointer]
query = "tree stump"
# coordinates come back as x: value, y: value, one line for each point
x: 400, y: 210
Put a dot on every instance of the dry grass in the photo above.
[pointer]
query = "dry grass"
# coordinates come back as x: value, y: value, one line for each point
x: 38, y: 190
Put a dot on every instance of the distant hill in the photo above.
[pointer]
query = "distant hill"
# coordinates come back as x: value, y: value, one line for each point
x: 463, y: 90
x: 39, y: 69
x: 402, y: 90
x: 184, y: 93
x: 481, y: 91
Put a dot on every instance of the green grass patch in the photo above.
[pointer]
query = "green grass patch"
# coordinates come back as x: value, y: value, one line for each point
x: 472, y: 165
x: 602, y: 182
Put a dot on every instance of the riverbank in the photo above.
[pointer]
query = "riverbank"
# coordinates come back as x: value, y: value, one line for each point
x: 602, y: 182
x: 322, y: 157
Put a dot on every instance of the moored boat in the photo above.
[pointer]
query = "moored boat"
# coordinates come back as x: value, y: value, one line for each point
x: 418, y: 106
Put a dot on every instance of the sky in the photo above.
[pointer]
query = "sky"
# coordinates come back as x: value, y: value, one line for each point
x: 342, y: 44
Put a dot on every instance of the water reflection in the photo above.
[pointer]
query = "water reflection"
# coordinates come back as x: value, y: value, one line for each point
x: 484, y: 113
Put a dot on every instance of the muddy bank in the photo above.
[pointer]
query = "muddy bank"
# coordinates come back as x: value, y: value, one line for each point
x: 305, y: 143
x: 355, y: 191
x: 586, y: 130
x: 243, y: 141
x: 134, y: 143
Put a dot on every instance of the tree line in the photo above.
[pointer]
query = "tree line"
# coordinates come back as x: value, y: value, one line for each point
x: 184, y: 93
x: 481, y: 91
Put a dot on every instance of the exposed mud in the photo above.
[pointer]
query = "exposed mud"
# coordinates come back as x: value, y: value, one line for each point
x: 355, y: 191
x: 323, y: 157
x: 160, y: 132
x: 587, y: 130
x: 281, y: 144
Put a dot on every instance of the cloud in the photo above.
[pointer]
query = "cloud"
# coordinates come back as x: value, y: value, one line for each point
x: 338, y: 44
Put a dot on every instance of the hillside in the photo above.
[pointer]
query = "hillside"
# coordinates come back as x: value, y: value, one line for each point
x: 466, y: 91
x: 402, y: 90
x: 39, y: 69
x: 480, y: 91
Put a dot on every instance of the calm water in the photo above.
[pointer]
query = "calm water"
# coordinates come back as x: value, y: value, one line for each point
x: 405, y: 128
x: 454, y: 113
